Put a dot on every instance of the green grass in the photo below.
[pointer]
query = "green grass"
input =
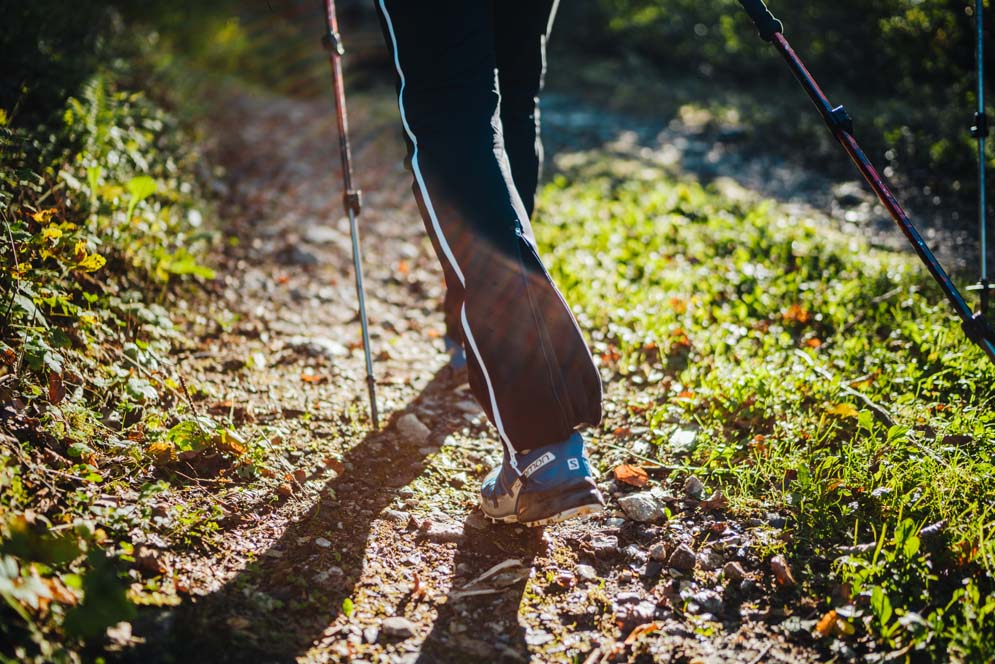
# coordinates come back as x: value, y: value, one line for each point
x: 830, y: 382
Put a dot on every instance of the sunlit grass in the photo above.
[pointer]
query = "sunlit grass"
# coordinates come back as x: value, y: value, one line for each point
x: 830, y: 382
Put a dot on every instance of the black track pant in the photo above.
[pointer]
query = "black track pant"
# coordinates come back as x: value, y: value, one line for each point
x: 469, y: 72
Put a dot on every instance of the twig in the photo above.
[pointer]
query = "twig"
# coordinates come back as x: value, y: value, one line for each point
x: 881, y: 411
x: 763, y: 653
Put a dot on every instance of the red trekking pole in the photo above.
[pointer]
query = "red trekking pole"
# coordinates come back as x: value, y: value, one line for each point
x: 351, y: 197
x: 976, y: 326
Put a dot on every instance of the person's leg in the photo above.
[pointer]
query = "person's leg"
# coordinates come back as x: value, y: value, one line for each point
x: 522, y: 29
x: 528, y: 364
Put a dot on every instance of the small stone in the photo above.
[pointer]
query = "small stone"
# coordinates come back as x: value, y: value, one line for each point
x: 642, y: 507
x: 776, y: 520
x: 397, y: 627
x: 604, y: 545
x: 683, y: 559
x: 693, y: 488
x: 322, y: 542
x: 396, y: 516
x: 458, y: 481
x: 633, y: 552
x: 471, y: 407
x: 628, y: 598
x: 682, y: 441
x: 406, y: 492
x: 440, y: 531
x: 734, y: 572
x: 614, y: 523
x: 586, y: 572
x: 371, y: 634
x: 707, y: 601
x: 318, y: 347
x: 285, y: 490
x: 709, y: 560
x: 658, y: 552
x: 412, y: 429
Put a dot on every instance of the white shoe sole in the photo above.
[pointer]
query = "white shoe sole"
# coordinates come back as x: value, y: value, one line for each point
x: 572, y: 513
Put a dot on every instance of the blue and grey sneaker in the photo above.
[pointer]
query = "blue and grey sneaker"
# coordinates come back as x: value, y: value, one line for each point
x: 551, y: 484
x: 457, y: 356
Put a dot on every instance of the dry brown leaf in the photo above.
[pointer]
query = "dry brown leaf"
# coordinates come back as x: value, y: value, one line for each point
x: 300, y: 476
x: 717, y: 501
x: 334, y: 464
x: 631, y: 475
x: 285, y: 489
x: 56, y: 390
x: 782, y: 572
x: 642, y: 630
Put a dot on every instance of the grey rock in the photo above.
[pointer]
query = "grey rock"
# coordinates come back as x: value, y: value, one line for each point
x: 658, y: 552
x: 776, y: 520
x: 707, y: 601
x: 633, y: 552
x: 693, y: 488
x: 627, y: 598
x: 642, y: 507
x: 683, y: 559
x: 458, y: 481
x: 604, y: 545
x: 442, y: 531
x: 396, y: 516
x: 471, y: 407
x: 318, y: 347
x: 586, y: 572
x: 614, y: 522
x: 684, y: 440
x: 397, y: 627
x: 412, y: 429
x: 371, y: 634
x: 709, y: 560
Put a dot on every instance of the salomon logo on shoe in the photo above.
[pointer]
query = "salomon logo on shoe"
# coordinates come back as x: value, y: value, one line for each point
x: 573, y: 464
x: 545, y: 459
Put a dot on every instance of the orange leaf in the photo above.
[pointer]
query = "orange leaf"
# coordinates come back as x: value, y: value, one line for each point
x: 631, y: 475
x: 826, y: 623
x: 642, y: 630
x: 312, y: 378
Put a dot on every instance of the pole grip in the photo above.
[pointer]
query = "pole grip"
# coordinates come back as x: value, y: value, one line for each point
x: 767, y: 25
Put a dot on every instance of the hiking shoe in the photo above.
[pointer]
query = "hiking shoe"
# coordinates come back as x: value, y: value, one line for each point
x: 457, y: 356
x: 555, y: 484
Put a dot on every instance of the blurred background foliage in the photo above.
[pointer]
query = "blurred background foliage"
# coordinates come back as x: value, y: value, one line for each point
x: 904, y: 68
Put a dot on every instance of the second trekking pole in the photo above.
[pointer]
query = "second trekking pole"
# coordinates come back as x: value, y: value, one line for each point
x: 351, y: 197
x: 976, y: 326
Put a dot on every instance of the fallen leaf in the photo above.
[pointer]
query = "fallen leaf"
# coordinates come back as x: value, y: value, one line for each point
x: 56, y: 390
x: 717, y: 501
x: 814, y: 342
x: 312, y: 378
x: 300, y: 476
x: 843, y: 410
x: 285, y: 489
x: 826, y: 624
x: 334, y: 464
x: 642, y: 630
x: 782, y: 572
x: 631, y: 475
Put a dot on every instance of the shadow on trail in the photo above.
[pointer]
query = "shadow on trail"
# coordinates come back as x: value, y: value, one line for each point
x: 277, y: 606
x: 485, y: 628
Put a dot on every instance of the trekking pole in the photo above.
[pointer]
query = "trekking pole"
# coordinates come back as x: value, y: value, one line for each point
x: 976, y: 327
x: 351, y: 198
x: 980, y: 132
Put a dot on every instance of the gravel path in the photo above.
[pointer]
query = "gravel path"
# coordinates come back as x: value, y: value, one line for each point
x: 374, y: 551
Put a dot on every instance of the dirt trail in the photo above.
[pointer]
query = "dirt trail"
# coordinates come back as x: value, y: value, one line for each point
x: 374, y: 555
